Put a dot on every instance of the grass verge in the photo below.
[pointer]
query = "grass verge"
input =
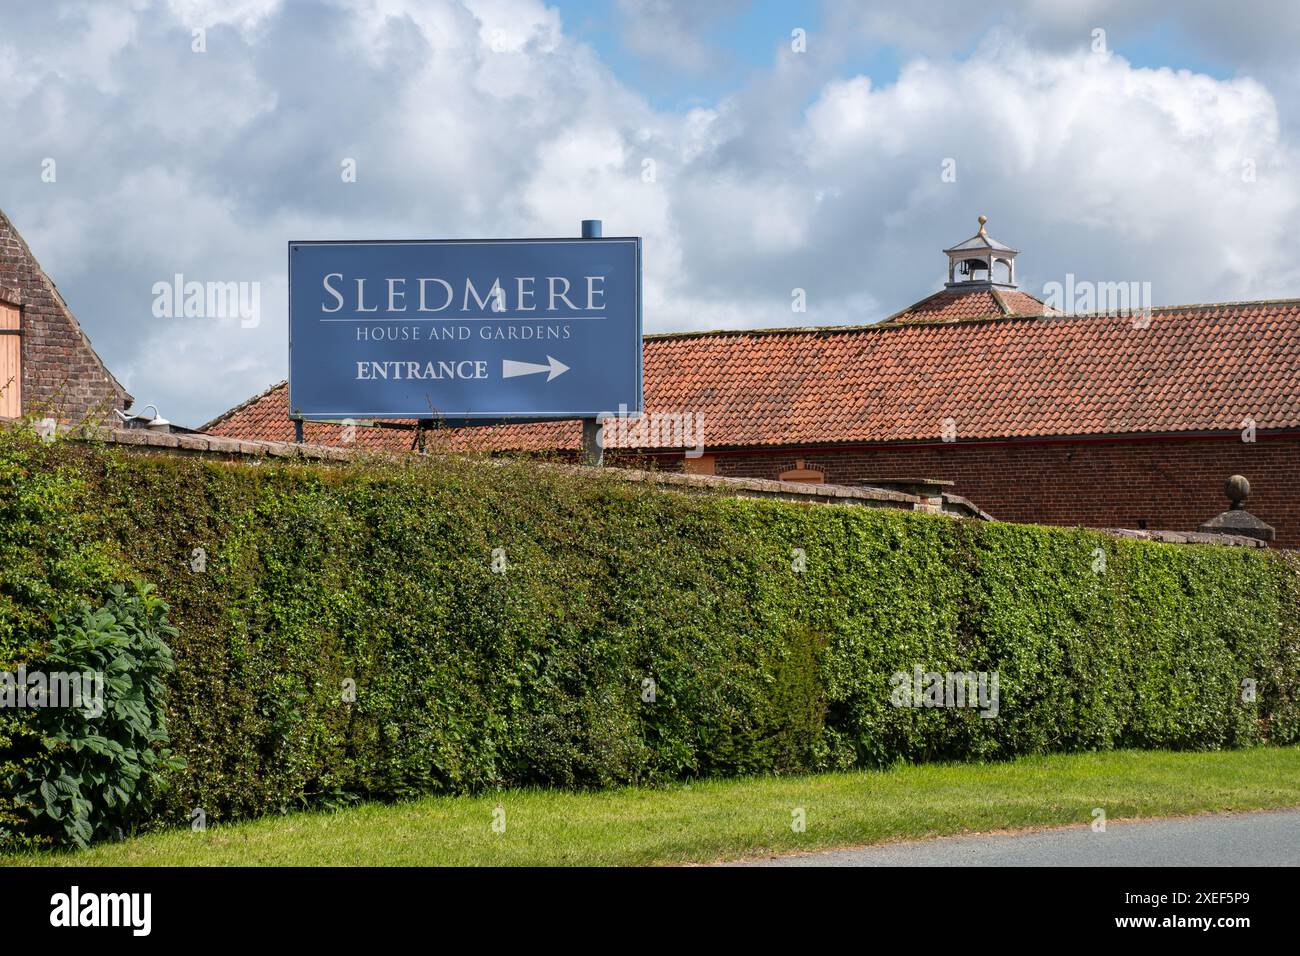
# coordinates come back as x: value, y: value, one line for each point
x: 728, y: 819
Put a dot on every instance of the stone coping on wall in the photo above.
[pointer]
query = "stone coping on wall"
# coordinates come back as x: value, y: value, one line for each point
x: 1189, y: 537
x: 140, y: 439
x: 214, y: 446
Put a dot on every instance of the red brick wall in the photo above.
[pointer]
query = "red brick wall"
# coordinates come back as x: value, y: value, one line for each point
x: 62, y: 375
x: 1170, y: 484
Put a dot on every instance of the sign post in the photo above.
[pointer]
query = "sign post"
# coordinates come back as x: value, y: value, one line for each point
x: 593, y: 453
x: 467, y: 332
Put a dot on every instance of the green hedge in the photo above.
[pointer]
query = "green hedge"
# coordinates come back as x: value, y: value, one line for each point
x: 382, y: 574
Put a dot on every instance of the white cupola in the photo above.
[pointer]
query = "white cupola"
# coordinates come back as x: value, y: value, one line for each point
x: 981, y: 261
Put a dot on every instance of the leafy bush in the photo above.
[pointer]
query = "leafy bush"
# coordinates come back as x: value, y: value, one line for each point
x: 347, y: 634
x: 100, y: 764
x: 50, y: 558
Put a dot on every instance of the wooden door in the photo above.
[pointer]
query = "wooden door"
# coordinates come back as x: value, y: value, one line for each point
x: 11, y: 361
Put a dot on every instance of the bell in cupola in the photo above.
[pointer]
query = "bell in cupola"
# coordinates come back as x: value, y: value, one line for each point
x: 981, y: 260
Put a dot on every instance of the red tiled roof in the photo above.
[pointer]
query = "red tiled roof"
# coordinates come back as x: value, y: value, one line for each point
x: 1201, y: 368
x: 266, y: 417
x: 951, y: 305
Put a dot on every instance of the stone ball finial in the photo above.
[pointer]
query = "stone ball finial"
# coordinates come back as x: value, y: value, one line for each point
x: 1237, y: 488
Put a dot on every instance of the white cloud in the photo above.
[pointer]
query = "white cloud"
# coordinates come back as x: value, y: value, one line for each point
x: 246, y: 15
x: 486, y: 119
x: 1084, y: 161
x: 673, y: 33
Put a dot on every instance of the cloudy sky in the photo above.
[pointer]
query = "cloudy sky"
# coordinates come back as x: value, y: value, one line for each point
x: 757, y: 147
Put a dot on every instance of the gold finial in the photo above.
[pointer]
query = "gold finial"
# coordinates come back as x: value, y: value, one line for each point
x: 983, y: 219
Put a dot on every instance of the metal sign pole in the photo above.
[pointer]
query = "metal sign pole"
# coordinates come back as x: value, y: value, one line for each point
x: 592, y: 452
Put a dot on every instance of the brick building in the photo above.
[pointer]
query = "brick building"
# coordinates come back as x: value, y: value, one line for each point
x: 47, y: 364
x: 1099, y: 420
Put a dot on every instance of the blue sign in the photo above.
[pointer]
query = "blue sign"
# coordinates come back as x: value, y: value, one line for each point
x: 465, y: 331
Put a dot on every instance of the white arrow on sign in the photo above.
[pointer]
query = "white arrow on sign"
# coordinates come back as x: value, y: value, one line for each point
x: 511, y: 369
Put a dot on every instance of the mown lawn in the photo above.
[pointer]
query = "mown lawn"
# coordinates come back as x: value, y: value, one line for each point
x: 728, y: 819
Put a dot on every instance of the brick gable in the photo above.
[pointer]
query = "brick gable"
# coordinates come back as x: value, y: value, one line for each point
x: 62, y: 376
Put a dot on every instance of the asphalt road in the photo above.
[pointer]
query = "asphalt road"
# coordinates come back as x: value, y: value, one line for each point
x: 1233, y: 839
